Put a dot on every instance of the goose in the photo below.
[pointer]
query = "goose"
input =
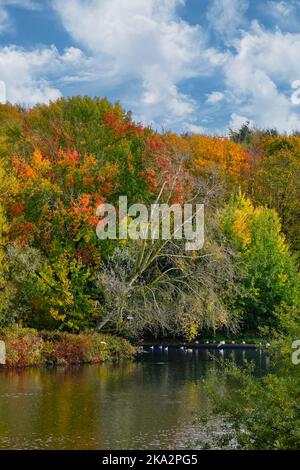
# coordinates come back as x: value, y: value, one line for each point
x: 160, y: 347
x: 221, y: 343
x: 152, y: 347
x: 232, y: 342
x: 243, y: 342
x: 189, y: 350
x: 182, y: 348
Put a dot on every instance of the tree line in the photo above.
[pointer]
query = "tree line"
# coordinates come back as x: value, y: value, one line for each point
x: 59, y: 162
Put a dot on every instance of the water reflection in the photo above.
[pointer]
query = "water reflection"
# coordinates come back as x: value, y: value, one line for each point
x: 148, y: 404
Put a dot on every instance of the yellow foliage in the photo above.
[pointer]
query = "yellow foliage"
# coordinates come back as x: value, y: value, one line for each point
x: 282, y: 277
x: 191, y: 330
x: 209, y: 152
x: 240, y: 227
x: 39, y: 163
x: 56, y: 315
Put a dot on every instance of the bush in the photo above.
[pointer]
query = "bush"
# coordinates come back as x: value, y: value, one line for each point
x: 269, y: 274
x: 27, y: 347
x: 263, y: 413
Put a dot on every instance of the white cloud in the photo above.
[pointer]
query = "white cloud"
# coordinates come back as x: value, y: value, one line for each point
x: 282, y: 8
x: 6, y: 22
x: 285, y: 13
x: 227, y: 17
x: 26, y: 74
x: 146, y: 52
x: 237, y: 121
x: 28, y: 4
x: 195, y: 129
x: 215, y: 97
x: 2, y: 92
x: 259, y: 75
x: 142, y: 41
x: 295, y: 98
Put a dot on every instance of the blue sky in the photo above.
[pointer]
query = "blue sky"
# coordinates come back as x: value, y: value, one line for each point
x: 185, y: 65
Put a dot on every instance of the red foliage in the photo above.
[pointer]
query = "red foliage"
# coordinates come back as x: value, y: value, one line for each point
x: 122, y: 125
x: 24, y: 232
x: 16, y: 209
x: 88, y: 255
x: 68, y: 158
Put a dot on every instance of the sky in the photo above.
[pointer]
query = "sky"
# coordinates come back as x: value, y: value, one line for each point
x: 200, y: 66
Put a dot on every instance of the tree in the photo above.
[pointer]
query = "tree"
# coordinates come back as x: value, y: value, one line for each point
x: 270, y: 275
x: 262, y: 413
x: 155, y: 286
x: 277, y: 183
x: 6, y: 289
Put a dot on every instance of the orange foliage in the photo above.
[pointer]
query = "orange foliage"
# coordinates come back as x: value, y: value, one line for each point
x: 122, y: 126
x: 165, y: 168
x: 67, y: 158
x: 23, y: 168
x: 210, y: 152
x: 206, y: 153
x: 16, y: 209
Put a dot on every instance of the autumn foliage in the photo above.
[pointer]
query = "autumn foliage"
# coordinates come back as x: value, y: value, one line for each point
x: 58, y: 163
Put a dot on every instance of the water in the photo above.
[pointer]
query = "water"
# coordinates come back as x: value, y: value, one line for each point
x: 147, y: 404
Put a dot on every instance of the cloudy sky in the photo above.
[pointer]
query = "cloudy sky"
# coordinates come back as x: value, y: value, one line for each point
x: 185, y: 65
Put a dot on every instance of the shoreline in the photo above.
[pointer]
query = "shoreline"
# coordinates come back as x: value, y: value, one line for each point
x: 199, y: 345
x: 26, y: 347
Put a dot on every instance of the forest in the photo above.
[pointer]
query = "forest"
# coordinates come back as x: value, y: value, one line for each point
x: 58, y: 162
x: 67, y: 297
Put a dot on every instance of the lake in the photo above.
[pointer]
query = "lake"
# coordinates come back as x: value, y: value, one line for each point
x: 151, y: 403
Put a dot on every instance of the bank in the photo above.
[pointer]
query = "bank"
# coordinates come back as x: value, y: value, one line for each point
x: 25, y: 347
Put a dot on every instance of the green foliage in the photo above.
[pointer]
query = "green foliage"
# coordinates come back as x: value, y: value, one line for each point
x: 264, y: 413
x: 277, y: 183
x: 67, y: 290
x: 62, y: 161
x: 6, y: 289
x: 157, y: 287
x: 269, y: 270
x: 59, y: 162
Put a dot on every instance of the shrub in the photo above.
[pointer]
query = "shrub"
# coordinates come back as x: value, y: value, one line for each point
x: 27, y: 347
